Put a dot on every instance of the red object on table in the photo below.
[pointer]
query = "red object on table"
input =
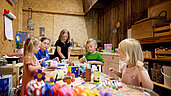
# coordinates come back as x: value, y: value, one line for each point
x: 71, y: 64
x: 17, y: 55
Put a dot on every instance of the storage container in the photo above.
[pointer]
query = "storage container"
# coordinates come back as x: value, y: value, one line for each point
x: 108, y: 47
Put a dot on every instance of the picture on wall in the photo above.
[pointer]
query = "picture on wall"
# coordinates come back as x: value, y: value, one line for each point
x: 42, y: 31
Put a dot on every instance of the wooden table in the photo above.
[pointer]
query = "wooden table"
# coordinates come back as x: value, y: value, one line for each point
x: 126, y: 90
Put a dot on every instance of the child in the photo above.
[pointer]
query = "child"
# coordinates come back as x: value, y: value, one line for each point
x: 92, y: 56
x: 63, y: 46
x: 133, y: 71
x: 30, y: 63
x: 43, y: 54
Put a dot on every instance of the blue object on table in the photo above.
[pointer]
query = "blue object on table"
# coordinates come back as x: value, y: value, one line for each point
x: 61, y: 64
x: 43, y: 64
x: 74, y: 70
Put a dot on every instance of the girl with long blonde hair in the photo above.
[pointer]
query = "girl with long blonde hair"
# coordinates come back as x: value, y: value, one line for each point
x: 30, y: 63
x: 133, y: 72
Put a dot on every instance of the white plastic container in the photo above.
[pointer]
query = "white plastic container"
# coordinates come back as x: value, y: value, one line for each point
x: 167, y: 75
x: 108, y: 47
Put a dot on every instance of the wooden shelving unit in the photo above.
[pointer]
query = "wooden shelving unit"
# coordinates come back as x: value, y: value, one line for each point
x: 152, y: 40
x: 14, y: 70
x: 161, y: 85
x: 160, y: 54
x: 159, y: 59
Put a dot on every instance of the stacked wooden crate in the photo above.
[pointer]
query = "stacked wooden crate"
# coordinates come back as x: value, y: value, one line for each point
x: 162, y: 30
x: 144, y: 28
x: 163, y: 53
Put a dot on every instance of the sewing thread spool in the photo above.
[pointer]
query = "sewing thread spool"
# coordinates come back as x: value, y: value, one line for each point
x: 37, y: 92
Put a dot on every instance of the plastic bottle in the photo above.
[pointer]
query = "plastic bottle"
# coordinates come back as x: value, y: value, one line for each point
x: 96, y: 76
x: 4, y: 60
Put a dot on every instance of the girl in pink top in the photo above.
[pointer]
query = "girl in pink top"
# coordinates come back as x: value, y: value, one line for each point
x: 133, y: 72
x: 30, y: 63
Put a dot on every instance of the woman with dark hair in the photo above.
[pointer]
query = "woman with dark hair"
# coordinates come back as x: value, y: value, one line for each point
x: 63, y: 46
x: 43, y: 54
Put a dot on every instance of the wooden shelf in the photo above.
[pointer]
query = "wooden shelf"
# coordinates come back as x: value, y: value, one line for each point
x: 159, y: 59
x: 163, y: 52
x: 161, y: 85
x: 152, y: 40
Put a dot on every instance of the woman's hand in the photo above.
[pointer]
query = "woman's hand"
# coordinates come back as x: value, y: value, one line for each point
x: 56, y: 58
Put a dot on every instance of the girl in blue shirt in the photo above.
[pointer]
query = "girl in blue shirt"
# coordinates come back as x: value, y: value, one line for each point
x: 43, y: 54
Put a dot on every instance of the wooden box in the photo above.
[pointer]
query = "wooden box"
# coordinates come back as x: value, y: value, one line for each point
x: 162, y: 53
x: 77, y: 51
x: 147, y: 54
x: 162, y: 30
x: 144, y: 28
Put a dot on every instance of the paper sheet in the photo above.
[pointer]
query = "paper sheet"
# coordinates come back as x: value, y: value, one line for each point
x: 8, y: 28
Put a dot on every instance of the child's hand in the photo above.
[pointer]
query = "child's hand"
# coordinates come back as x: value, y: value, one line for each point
x: 84, y: 59
x: 42, y: 60
x: 112, y: 70
x: 38, y: 67
x: 56, y: 58
x: 140, y: 65
x: 67, y: 61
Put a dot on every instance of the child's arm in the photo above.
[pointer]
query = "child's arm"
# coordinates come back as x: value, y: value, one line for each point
x: 119, y: 74
x: 33, y: 68
x: 143, y: 76
x: 96, y: 62
x: 83, y: 59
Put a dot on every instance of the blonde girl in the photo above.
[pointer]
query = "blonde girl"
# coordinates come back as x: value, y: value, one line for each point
x: 30, y: 63
x: 132, y: 72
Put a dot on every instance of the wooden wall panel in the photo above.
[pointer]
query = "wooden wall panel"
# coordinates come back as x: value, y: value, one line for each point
x: 81, y: 27
x: 75, y: 24
x: 91, y: 21
x: 88, y: 4
x: 155, y: 10
x: 125, y: 11
x: 7, y: 46
x: 54, y: 5
x: 40, y: 20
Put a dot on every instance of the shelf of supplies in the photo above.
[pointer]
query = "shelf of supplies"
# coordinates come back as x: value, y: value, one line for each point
x: 161, y: 85
x: 163, y: 52
x: 152, y: 40
x: 159, y: 59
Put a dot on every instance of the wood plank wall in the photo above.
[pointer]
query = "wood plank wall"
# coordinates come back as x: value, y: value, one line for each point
x: 88, y: 4
x: 125, y: 11
x: 56, y: 15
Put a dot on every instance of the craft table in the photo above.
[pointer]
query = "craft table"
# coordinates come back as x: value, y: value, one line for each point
x: 125, y: 91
